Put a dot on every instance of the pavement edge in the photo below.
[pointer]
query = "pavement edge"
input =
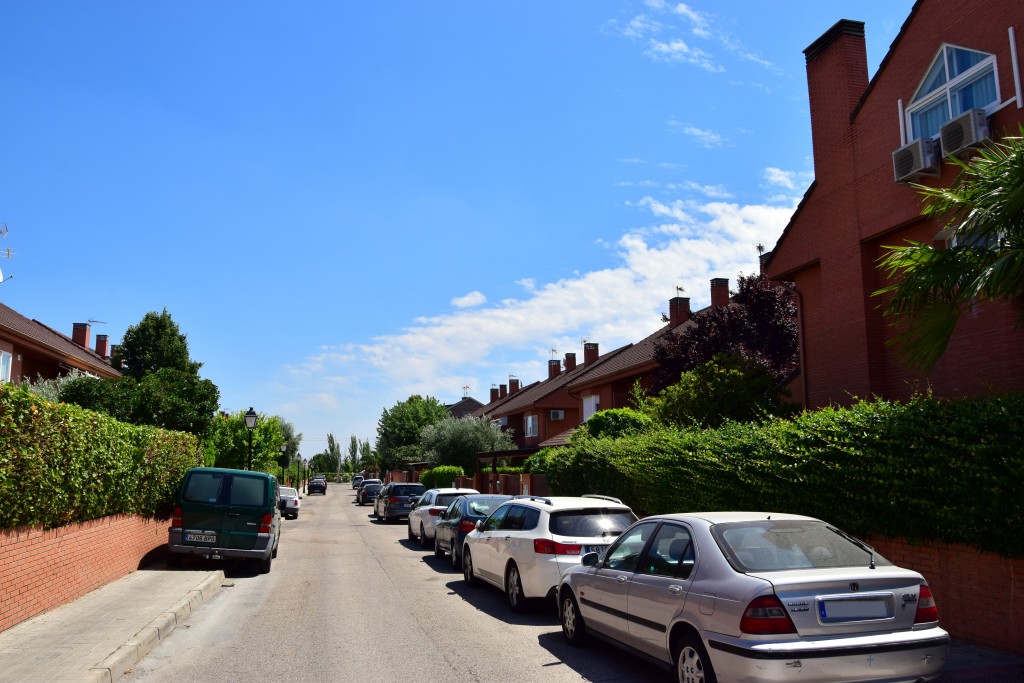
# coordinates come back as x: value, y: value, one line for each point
x: 117, y: 663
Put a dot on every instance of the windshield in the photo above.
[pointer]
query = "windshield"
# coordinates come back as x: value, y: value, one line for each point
x: 287, y: 491
x: 485, y: 506
x: 603, y: 522
x: 766, y: 545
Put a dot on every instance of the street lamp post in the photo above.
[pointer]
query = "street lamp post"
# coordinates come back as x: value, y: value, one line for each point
x: 284, y: 448
x: 250, y: 424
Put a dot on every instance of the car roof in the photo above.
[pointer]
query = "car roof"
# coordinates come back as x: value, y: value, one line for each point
x: 463, y: 491
x: 568, y: 502
x: 726, y: 516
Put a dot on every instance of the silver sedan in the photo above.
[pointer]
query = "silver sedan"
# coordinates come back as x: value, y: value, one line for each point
x: 747, y: 596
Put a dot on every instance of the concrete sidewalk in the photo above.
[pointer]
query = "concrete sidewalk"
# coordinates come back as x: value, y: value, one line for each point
x: 104, y: 633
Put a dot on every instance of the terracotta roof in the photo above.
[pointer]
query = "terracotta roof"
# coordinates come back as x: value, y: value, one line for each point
x: 466, y: 406
x: 53, y: 341
x: 558, y: 439
x: 490, y: 407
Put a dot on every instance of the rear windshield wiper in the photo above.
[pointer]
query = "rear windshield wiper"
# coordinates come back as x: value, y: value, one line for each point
x: 857, y: 542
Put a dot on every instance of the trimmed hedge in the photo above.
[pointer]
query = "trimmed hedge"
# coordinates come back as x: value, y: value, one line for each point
x: 60, y: 463
x: 951, y: 471
x: 440, y: 476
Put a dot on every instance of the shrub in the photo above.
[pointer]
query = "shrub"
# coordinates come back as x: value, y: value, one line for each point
x: 440, y: 476
x: 618, y: 422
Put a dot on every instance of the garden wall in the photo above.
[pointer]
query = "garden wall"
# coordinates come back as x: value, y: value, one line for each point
x: 40, y: 570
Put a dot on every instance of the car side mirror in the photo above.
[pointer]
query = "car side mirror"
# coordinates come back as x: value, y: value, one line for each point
x: 479, y: 525
x: 590, y: 560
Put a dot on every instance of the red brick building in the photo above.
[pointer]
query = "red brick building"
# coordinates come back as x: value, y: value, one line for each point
x: 29, y: 350
x: 950, y: 79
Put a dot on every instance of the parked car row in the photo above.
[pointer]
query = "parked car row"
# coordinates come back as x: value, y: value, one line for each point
x: 715, y: 596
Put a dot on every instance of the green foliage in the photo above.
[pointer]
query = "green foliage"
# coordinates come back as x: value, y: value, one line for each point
x: 398, y: 430
x: 441, y: 476
x: 228, y: 443
x: 49, y: 389
x: 61, y: 464
x: 617, y: 422
x: 327, y: 460
x: 926, y: 469
x: 457, y: 441
x: 155, y: 343
x: 984, y: 212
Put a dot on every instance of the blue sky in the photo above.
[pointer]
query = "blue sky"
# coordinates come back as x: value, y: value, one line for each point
x: 343, y: 204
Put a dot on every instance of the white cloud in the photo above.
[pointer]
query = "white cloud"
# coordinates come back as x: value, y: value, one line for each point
x: 678, y: 51
x: 704, y: 137
x: 471, y: 300
x: 792, y: 181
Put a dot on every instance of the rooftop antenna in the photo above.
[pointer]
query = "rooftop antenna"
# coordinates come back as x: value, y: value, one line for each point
x: 760, y: 248
x: 680, y: 289
x: 98, y: 322
x: 465, y: 390
x: 554, y: 352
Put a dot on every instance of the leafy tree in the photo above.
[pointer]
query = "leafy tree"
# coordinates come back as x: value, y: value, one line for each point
x: 228, y: 443
x: 398, y: 429
x: 327, y: 460
x: 984, y: 213
x: 155, y: 343
x: 728, y: 387
x: 367, y: 456
x: 50, y: 389
x: 617, y: 422
x: 291, y: 443
x: 456, y: 441
x: 759, y: 324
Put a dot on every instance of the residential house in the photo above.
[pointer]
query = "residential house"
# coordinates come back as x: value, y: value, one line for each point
x: 29, y: 350
x: 464, y: 406
x: 950, y: 80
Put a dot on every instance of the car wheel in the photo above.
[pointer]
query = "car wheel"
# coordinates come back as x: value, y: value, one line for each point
x: 423, y: 538
x: 467, y: 568
x: 456, y: 562
x: 274, y: 553
x: 514, y: 589
x: 411, y: 535
x: 264, y: 565
x: 573, y: 628
x: 692, y: 662
x: 438, y: 550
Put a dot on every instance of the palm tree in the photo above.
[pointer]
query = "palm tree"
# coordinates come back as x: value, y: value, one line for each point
x: 984, y: 219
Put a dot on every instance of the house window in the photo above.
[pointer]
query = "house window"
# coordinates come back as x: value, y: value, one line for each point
x: 5, y: 366
x: 531, y: 425
x: 958, y: 80
x: 590, y: 404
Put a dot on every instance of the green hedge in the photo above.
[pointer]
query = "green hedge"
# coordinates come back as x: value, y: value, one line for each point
x: 926, y: 469
x: 60, y: 463
x: 440, y: 477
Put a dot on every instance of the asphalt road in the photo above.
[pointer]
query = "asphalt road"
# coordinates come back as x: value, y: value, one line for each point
x: 350, y: 599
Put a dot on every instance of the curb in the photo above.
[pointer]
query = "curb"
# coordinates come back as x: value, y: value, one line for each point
x: 117, y: 663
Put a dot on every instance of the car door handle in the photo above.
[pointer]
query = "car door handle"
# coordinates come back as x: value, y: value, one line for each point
x: 232, y: 514
x: 675, y: 590
x: 621, y: 579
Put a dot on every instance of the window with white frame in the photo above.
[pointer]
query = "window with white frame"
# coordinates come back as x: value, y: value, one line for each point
x: 958, y: 80
x: 531, y: 425
x: 5, y: 366
x: 590, y: 405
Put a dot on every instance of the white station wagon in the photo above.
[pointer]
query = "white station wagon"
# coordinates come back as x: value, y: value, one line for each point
x: 755, y: 597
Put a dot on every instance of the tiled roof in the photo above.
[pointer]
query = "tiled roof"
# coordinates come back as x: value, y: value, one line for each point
x: 466, y: 406
x: 561, y: 439
x: 489, y: 408
x: 60, y: 345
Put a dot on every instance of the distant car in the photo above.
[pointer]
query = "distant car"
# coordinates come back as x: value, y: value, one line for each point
x: 317, y: 485
x: 290, y: 502
x: 459, y: 519
x: 528, y: 543
x: 424, y: 515
x: 357, y: 480
x: 368, y: 493
x: 396, y: 500
x: 758, y: 597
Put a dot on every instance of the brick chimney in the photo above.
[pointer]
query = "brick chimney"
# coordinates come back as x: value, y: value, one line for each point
x: 503, y: 391
x: 678, y: 311
x: 513, y: 385
x: 103, y: 345
x: 494, y: 393
x: 554, y: 368
x: 80, y: 334
x: 590, y: 353
x: 570, y: 362
x: 719, y: 292
x: 837, y: 76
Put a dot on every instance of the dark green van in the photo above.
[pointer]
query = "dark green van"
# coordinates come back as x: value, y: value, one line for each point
x: 223, y: 513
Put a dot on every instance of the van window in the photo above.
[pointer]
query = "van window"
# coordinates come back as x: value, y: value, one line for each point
x: 248, y: 491
x: 204, y: 487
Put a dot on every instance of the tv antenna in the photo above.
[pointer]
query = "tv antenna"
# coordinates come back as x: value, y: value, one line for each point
x: 465, y: 390
x: 554, y: 352
x: 91, y: 321
x: 680, y: 289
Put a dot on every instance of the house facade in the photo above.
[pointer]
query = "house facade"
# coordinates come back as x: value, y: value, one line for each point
x: 29, y: 350
x: 950, y: 80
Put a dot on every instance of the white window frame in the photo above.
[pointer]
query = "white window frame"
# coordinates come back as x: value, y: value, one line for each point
x: 532, y: 426
x: 591, y: 404
x: 6, y: 366
x: 944, y: 93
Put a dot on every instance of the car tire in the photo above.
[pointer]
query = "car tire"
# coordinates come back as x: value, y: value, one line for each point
x: 263, y: 566
x: 273, y: 554
x: 438, y: 550
x: 514, y: 589
x: 423, y: 538
x: 467, y: 568
x: 410, y: 534
x: 692, y: 662
x: 456, y: 562
x: 573, y: 628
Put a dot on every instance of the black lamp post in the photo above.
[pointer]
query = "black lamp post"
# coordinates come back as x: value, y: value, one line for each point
x: 281, y: 462
x: 250, y: 424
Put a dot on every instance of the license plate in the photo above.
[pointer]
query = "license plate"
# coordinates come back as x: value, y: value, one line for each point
x: 853, y: 609
x: 599, y: 549
x: 201, y: 538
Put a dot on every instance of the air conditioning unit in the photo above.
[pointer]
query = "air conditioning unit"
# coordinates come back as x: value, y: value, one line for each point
x: 913, y: 160
x: 557, y: 414
x: 964, y: 132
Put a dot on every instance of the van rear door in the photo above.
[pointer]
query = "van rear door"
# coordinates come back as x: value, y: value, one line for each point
x: 247, y: 501
x: 202, y: 509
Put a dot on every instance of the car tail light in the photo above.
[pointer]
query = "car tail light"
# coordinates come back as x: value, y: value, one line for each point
x: 176, y: 518
x: 265, y: 523
x: 766, y: 615
x: 434, y: 512
x: 927, y: 610
x: 545, y: 546
x: 394, y: 500
x: 467, y: 525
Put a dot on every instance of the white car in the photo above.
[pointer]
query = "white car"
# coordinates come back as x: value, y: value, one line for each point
x: 529, y: 542
x: 290, y: 502
x: 756, y: 597
x: 431, y: 505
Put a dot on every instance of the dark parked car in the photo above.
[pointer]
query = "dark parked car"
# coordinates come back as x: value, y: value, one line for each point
x: 368, y: 492
x: 459, y: 519
x: 317, y: 485
x: 396, y: 500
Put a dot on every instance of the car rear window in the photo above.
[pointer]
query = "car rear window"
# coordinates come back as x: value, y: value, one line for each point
x: 767, y: 545
x: 447, y: 498
x: 204, y: 487
x: 407, y: 489
x: 248, y: 491
x: 605, y: 522
x: 286, y: 491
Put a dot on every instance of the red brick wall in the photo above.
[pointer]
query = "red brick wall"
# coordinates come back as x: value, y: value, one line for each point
x: 980, y: 595
x: 40, y: 570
